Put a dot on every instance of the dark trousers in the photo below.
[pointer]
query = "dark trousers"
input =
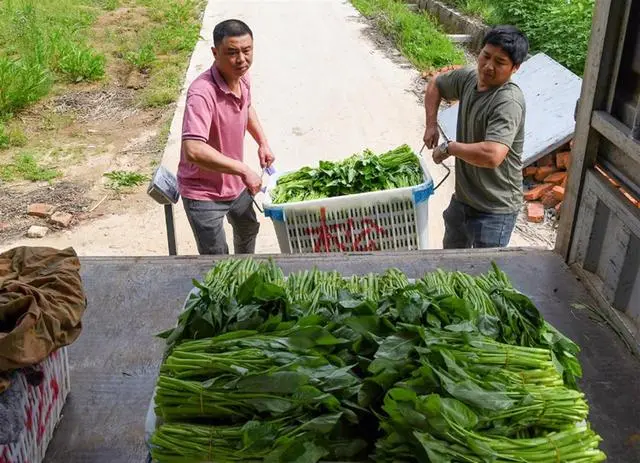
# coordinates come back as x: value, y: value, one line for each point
x: 466, y: 227
x: 206, y: 219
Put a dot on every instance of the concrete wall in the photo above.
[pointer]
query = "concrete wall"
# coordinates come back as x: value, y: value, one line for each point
x: 454, y: 22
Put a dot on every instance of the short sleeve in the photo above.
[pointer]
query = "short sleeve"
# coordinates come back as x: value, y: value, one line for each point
x: 247, y: 82
x: 504, y: 122
x: 451, y: 84
x: 198, y: 116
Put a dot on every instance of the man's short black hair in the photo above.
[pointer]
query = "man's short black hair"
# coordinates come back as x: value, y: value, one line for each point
x: 229, y: 28
x: 511, y: 40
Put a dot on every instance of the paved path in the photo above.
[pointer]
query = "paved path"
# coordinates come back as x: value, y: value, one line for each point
x: 322, y: 89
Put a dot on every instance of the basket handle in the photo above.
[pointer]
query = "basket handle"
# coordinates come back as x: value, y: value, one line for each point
x: 269, y: 170
x: 448, y: 169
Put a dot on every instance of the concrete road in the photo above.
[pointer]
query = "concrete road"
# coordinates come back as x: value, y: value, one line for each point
x: 323, y: 90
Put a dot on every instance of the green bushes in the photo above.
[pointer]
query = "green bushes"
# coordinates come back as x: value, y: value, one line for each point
x: 559, y: 28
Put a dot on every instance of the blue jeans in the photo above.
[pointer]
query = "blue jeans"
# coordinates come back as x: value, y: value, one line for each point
x: 466, y: 227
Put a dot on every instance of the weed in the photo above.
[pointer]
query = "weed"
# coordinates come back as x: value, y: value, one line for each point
x: 143, y: 59
x: 25, y: 166
x: 164, y: 87
x: 12, y: 136
x: 165, y: 129
x: 56, y: 121
x: 109, y: 5
x: 21, y: 83
x: 415, y: 34
x: 78, y: 63
x: 119, y: 179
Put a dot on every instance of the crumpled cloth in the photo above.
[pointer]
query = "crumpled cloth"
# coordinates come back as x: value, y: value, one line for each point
x: 42, y: 301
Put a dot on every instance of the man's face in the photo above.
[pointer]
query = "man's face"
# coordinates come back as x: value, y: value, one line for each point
x: 234, y: 55
x: 494, y: 66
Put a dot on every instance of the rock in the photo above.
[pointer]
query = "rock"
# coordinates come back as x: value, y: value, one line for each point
x: 41, y: 210
x: 61, y: 219
x: 37, y: 231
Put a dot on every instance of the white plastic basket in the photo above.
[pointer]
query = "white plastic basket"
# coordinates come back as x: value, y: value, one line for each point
x: 394, y: 219
x: 42, y: 411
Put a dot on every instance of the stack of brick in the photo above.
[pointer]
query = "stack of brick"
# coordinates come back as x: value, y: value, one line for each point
x: 548, y: 179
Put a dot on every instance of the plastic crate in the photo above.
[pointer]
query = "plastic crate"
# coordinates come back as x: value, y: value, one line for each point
x: 42, y: 411
x: 385, y: 220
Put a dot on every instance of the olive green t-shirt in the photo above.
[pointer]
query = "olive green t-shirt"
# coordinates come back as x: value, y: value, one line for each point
x: 492, y: 115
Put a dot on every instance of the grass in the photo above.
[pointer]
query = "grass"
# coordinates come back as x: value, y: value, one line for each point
x: 42, y: 42
x: 49, y: 47
x: 45, y: 42
x: 120, y: 179
x: 25, y: 166
x: 162, y: 47
x: 417, y: 35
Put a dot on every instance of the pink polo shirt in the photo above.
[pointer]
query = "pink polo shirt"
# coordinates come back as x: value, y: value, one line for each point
x: 214, y: 115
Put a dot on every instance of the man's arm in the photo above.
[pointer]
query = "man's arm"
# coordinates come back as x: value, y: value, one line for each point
x: 207, y: 157
x: 255, y: 129
x: 432, y: 100
x: 501, y: 131
x: 448, y: 86
x: 487, y: 154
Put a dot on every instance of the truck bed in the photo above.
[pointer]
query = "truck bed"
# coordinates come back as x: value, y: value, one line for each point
x: 115, y: 361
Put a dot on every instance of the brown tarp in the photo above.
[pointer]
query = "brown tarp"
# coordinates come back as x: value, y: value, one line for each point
x: 41, y: 305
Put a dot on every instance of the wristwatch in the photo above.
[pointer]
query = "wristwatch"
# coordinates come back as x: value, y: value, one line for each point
x: 444, y: 147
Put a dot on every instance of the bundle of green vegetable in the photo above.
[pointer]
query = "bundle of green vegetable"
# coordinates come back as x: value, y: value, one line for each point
x: 317, y: 366
x: 359, y: 173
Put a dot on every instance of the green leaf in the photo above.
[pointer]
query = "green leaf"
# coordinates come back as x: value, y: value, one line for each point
x: 397, y: 347
x: 322, y: 424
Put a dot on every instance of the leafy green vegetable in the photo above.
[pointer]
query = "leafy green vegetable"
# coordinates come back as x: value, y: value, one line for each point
x: 359, y: 173
x: 316, y: 366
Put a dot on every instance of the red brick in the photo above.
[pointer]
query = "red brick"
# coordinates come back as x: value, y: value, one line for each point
x: 529, y: 171
x: 537, y: 192
x: 41, y: 210
x: 556, y: 178
x: 558, y: 208
x: 535, y: 212
x: 62, y: 219
x: 547, y: 161
x: 558, y: 193
x: 544, y: 172
x: 563, y: 160
x: 549, y: 200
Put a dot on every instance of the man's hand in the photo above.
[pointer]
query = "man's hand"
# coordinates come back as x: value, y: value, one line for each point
x: 439, y: 154
x: 431, y: 136
x: 265, y: 155
x: 252, y: 181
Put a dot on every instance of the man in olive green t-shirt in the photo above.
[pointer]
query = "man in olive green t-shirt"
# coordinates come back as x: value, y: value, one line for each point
x: 490, y: 137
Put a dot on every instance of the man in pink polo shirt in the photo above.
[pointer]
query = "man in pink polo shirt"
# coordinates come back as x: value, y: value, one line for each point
x: 213, y: 180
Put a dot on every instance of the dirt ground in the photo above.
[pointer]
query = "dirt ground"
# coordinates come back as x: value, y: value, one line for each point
x: 317, y: 99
